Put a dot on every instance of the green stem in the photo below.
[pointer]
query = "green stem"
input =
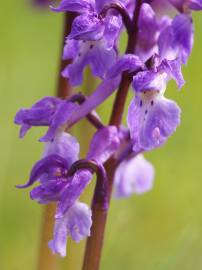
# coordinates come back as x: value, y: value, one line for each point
x: 99, y: 215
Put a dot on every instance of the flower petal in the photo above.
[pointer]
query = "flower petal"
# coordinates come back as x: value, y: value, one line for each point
x: 149, y: 81
x: 44, y: 165
x: 148, y: 30
x: 112, y: 30
x: 65, y: 146
x: 195, y: 4
x: 40, y: 114
x: 135, y: 175
x: 76, y: 223
x: 49, y: 191
x: 87, y: 27
x: 177, y: 39
x: 71, y: 49
x: 92, y: 53
x: 152, y: 123
x: 80, y: 6
x: 59, y: 119
x: 104, y: 144
x: 76, y: 185
x: 173, y: 69
x: 128, y: 62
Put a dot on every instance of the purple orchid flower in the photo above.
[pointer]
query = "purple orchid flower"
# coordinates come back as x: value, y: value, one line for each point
x: 183, y: 5
x: 40, y: 114
x: 109, y: 141
x: 150, y: 27
x: 76, y: 223
x: 134, y: 175
x: 91, y: 41
x: 152, y: 118
x: 52, y: 169
x: 162, y: 7
x: 180, y: 5
x: 176, y: 40
x: 103, y: 145
x: 72, y: 218
x: 51, y: 172
x: 49, y: 111
x: 58, y: 121
x: 80, y: 6
x: 176, y: 36
x: 91, y: 53
x: 170, y: 69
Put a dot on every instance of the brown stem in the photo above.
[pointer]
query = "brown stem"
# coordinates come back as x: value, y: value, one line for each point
x: 63, y: 88
x: 95, y: 241
x: 99, y: 212
x: 46, y: 259
x: 121, y: 96
x: 99, y: 216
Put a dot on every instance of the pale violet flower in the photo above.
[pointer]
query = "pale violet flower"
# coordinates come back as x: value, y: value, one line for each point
x: 134, y: 175
x: 76, y: 223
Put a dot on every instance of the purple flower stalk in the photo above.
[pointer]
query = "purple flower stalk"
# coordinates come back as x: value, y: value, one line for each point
x: 160, y: 41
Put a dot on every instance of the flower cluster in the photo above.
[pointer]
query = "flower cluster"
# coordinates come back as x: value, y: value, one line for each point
x: 162, y: 33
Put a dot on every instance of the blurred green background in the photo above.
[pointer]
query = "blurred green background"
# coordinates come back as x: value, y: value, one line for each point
x: 161, y: 230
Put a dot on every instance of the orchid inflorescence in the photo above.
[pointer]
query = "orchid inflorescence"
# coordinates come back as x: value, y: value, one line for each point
x: 161, y: 33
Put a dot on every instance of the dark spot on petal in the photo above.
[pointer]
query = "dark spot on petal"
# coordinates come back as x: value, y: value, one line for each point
x: 91, y: 46
x: 141, y: 103
x: 152, y: 103
x: 79, y: 54
x: 146, y: 111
